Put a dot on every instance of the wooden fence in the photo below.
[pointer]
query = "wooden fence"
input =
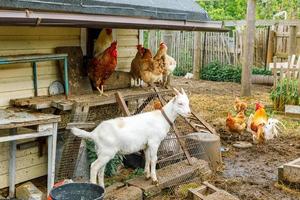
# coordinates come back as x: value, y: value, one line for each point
x: 180, y: 46
x: 227, y: 48
x: 286, y: 82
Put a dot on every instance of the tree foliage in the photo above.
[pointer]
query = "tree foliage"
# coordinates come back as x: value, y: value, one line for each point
x: 236, y: 9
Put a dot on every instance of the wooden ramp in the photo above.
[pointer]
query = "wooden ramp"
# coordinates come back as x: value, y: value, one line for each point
x: 173, y: 175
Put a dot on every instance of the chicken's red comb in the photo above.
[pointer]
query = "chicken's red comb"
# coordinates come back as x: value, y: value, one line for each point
x: 114, y: 43
x: 138, y: 46
x: 258, y: 106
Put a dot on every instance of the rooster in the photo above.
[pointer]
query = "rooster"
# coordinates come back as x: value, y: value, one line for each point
x: 261, y: 127
x: 102, y: 66
x: 167, y: 62
x: 103, y: 41
x: 135, y: 70
x: 236, y: 124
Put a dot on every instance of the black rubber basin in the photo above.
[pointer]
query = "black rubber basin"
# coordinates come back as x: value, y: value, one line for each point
x: 77, y: 191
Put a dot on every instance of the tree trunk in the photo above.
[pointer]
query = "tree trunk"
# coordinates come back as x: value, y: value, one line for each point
x: 248, y: 48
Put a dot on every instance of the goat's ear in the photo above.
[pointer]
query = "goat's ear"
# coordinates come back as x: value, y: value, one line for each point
x: 176, y: 91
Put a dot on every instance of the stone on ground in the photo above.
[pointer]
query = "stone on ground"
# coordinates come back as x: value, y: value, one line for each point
x: 28, y: 191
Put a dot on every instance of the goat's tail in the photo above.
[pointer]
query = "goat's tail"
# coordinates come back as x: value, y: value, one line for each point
x: 81, y: 133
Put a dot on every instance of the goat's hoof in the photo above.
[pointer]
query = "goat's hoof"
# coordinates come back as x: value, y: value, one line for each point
x: 155, y: 182
x: 147, y: 177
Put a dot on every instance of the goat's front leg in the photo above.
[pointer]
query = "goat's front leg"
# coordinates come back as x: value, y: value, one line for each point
x: 147, y: 163
x: 153, y: 156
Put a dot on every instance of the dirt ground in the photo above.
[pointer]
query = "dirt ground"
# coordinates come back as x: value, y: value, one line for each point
x: 250, y: 174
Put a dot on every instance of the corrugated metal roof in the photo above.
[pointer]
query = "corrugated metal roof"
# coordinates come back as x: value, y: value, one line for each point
x: 187, y: 10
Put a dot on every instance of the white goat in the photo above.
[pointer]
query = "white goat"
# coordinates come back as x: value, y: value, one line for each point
x: 126, y: 135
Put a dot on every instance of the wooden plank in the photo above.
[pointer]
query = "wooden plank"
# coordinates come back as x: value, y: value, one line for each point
x: 172, y: 175
x: 5, y: 52
x: 11, y: 118
x: 44, y: 44
x: 197, y: 59
x: 125, y: 52
x: 81, y: 125
x: 23, y: 70
x: 292, y: 109
x: 37, y: 37
x: 292, y: 42
x: 28, y: 30
x: 25, y: 174
x: 126, y: 32
x: 4, y: 154
x: 23, y: 162
x: 12, y: 165
x: 25, y: 136
x: 122, y: 104
x: 25, y: 83
x: 51, y: 157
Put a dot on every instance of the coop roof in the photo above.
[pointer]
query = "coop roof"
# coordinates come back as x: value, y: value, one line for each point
x: 168, y: 14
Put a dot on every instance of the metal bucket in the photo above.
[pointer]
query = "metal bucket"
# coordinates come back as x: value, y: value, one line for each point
x: 77, y: 191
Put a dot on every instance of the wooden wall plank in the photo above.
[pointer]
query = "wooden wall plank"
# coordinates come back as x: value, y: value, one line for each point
x: 25, y: 174
x: 23, y: 162
x: 16, y: 79
x: 28, y: 30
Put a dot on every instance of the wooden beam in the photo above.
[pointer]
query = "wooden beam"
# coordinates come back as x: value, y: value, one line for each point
x: 120, y: 100
x: 12, y: 165
x: 25, y: 136
x: 248, y: 49
x: 292, y: 41
x: 197, y: 56
x: 270, y: 50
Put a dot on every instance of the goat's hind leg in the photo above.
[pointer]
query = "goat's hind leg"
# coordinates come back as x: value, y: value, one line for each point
x: 96, y: 166
x: 147, y: 163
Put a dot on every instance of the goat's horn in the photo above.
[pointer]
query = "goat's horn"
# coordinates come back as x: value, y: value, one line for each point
x: 182, y: 91
x: 176, y: 91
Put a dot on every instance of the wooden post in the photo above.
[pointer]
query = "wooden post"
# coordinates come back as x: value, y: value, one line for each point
x: 197, y: 65
x: 270, y: 50
x: 12, y: 165
x: 122, y: 104
x: 292, y: 42
x: 167, y: 39
x: 249, y: 48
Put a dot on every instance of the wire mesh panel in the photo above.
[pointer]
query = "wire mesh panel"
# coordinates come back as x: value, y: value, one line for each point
x: 171, y: 154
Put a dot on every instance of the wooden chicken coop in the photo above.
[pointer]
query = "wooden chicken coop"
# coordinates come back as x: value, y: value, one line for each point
x: 67, y: 27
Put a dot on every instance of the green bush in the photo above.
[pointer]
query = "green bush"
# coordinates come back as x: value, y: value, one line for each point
x: 215, y: 71
x: 286, y: 92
